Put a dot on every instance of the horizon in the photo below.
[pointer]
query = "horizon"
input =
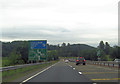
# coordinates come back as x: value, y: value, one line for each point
x: 64, y: 42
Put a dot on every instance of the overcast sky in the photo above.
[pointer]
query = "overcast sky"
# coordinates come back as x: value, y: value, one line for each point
x: 58, y: 21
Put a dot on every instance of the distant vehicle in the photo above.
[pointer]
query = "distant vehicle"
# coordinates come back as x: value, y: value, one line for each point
x: 66, y: 61
x: 117, y: 60
x: 71, y: 60
x: 80, y: 60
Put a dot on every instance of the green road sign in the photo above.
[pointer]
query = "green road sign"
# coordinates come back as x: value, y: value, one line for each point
x: 37, y: 50
x: 98, y: 53
x: 37, y: 54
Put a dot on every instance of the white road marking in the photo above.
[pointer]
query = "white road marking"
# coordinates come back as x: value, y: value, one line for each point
x: 80, y: 73
x: 94, y: 83
x: 37, y: 74
x: 74, y: 68
x: 69, y: 65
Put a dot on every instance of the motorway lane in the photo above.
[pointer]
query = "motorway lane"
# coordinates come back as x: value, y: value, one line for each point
x: 98, y: 73
x: 60, y: 72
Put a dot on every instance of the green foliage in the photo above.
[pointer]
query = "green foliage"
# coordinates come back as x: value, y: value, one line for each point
x: 52, y: 55
x: 101, y: 45
x: 103, y: 57
x: 74, y: 50
x: 13, y: 59
x: 115, y: 52
x: 107, y: 48
x: 16, y: 52
x: 5, y: 61
x: 108, y: 53
x: 108, y: 58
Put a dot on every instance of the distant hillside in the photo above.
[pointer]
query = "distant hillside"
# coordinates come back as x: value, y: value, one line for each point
x: 82, y: 47
x: 75, y: 50
x: 7, y: 47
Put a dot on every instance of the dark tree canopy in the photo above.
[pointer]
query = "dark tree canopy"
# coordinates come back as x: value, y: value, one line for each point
x: 101, y: 45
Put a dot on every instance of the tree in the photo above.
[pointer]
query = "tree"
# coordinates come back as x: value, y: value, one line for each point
x: 52, y: 55
x: 100, y: 51
x: 103, y: 56
x: 107, y: 48
x: 68, y: 44
x: 101, y: 45
x: 115, y: 52
x: 15, y: 58
x: 64, y: 44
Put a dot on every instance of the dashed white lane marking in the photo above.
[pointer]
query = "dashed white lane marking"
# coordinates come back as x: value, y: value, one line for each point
x: 69, y: 65
x: 37, y: 74
x: 74, y: 68
x: 80, y: 73
x: 94, y: 83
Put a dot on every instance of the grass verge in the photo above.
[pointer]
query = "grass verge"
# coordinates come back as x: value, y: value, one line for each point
x: 9, y: 76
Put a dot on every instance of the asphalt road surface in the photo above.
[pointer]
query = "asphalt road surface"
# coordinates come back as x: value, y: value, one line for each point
x: 98, y: 73
x: 59, y: 72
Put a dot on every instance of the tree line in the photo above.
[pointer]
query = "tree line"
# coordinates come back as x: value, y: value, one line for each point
x: 108, y: 53
x: 16, y: 52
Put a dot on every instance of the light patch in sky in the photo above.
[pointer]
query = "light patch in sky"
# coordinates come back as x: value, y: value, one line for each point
x: 73, y: 21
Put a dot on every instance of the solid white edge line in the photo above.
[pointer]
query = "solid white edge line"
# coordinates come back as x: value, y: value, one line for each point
x: 37, y: 74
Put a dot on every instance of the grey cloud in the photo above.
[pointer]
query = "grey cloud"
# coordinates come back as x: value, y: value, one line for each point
x: 56, y: 36
x: 33, y: 32
x: 35, y: 28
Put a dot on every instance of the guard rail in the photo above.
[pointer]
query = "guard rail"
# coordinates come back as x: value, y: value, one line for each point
x: 105, y: 63
x: 19, y: 66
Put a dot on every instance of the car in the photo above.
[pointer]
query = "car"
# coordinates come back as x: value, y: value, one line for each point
x: 80, y: 60
x: 66, y: 61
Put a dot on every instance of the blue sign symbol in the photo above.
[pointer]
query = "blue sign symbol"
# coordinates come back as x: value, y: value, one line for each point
x: 38, y: 45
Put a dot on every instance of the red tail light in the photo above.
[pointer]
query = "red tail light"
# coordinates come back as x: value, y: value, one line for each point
x: 77, y: 60
x: 80, y: 57
x: 84, y: 60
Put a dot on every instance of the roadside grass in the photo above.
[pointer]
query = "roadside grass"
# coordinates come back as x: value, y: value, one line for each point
x: 9, y: 76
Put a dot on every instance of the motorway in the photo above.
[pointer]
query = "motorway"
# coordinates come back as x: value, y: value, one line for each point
x: 69, y: 72
x: 60, y: 72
